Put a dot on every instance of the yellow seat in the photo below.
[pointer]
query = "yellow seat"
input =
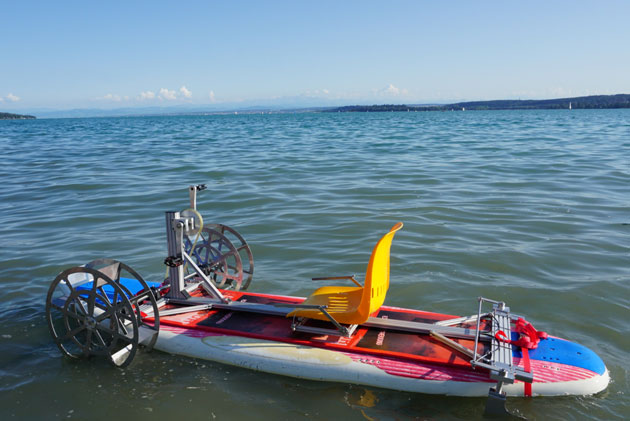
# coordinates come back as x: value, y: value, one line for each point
x: 354, y: 305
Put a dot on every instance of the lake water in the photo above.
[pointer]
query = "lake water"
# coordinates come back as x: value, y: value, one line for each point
x: 528, y: 207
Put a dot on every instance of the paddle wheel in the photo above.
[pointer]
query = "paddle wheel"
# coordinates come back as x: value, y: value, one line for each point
x: 105, y: 308
x: 90, y: 311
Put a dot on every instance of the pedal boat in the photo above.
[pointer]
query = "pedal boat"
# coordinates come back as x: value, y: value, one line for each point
x: 340, y: 333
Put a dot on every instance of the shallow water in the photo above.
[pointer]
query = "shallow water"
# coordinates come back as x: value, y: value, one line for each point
x: 529, y: 207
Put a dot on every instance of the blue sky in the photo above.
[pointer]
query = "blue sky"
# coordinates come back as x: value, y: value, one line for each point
x: 113, y: 54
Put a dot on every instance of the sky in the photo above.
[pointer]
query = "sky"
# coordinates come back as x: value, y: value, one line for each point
x: 111, y: 54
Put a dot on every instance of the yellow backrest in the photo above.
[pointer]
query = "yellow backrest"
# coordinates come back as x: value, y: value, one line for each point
x: 377, y: 275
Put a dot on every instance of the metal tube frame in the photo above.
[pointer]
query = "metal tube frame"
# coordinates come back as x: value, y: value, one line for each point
x: 501, y: 305
x: 175, y: 226
x: 174, y: 240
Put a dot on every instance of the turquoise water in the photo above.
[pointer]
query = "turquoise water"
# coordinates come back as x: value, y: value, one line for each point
x: 529, y: 207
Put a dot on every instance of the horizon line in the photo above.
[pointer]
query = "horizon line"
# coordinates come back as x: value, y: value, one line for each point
x: 233, y: 107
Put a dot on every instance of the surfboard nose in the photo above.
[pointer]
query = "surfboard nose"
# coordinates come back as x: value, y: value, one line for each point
x: 561, y: 351
x: 559, y: 360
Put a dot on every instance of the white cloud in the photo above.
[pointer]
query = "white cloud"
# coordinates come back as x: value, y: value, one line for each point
x: 112, y: 97
x: 166, y: 94
x: 185, y: 92
x: 12, y: 98
x: 211, y: 96
x: 315, y: 93
x: 1, y: 99
x: 147, y: 95
x: 391, y: 90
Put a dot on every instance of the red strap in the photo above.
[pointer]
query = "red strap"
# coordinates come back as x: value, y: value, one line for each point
x: 524, y: 343
x: 529, y: 336
x: 528, y: 368
x: 502, y: 337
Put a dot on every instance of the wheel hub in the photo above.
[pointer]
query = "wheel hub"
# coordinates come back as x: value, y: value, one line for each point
x: 90, y: 322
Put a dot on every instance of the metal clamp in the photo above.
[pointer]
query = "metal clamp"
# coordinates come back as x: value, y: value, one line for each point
x: 173, y: 261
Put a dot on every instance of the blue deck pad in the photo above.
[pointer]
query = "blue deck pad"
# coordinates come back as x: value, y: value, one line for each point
x: 131, y: 284
x: 564, y: 352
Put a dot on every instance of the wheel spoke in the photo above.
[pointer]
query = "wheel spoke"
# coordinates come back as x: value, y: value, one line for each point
x: 115, y: 298
x: 111, y: 311
x: 56, y: 307
x: 105, y: 297
x: 99, y: 337
x: 68, y: 284
x: 230, y: 254
x: 88, y: 340
x: 92, y: 299
x: 76, y: 316
x: 122, y: 326
x: 224, y: 274
x: 72, y: 333
x: 67, y: 312
x: 108, y: 330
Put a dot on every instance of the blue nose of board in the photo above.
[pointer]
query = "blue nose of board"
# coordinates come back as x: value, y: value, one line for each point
x: 561, y: 351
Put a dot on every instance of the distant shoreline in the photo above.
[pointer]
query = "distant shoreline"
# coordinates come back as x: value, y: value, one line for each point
x: 9, y: 116
x: 582, y: 102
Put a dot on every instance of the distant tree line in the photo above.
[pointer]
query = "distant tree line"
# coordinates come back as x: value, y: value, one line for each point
x: 9, y: 116
x: 594, y: 101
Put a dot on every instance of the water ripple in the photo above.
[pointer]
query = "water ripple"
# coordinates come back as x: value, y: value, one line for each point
x: 530, y: 207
